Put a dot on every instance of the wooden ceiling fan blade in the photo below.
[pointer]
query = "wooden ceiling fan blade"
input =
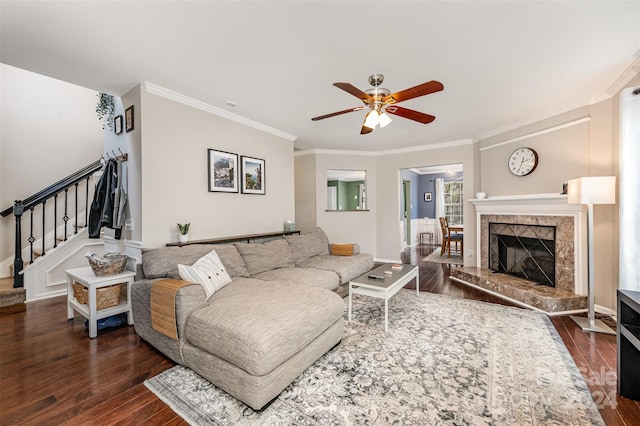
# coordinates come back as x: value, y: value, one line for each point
x: 349, y: 88
x: 418, y: 116
x: 414, y: 92
x: 333, y: 114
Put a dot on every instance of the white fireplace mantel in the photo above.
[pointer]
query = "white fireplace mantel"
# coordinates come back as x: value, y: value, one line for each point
x: 554, y: 204
x: 513, y: 204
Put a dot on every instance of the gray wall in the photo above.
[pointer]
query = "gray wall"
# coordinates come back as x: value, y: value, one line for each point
x: 174, y: 188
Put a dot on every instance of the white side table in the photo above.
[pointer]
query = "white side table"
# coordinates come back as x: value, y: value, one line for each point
x: 87, y: 278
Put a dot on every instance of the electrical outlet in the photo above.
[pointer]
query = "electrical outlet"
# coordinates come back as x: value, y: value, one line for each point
x: 470, y: 253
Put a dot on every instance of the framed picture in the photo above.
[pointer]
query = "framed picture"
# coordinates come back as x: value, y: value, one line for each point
x: 427, y: 196
x: 128, y: 119
x: 223, y: 171
x: 253, y: 177
x: 117, y: 124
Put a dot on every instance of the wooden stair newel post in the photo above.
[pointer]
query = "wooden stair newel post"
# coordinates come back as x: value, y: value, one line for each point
x: 18, y: 278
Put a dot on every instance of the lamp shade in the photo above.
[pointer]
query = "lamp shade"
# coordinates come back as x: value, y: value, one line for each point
x: 372, y: 119
x: 592, y: 190
x: 384, y: 119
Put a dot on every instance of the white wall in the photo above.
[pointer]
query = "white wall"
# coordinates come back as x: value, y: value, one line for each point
x: 174, y: 188
x: 48, y: 130
x: 563, y: 155
x: 348, y: 226
x: 377, y: 230
x: 305, y: 192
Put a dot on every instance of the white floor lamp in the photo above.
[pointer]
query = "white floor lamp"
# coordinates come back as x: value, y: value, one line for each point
x: 590, y: 191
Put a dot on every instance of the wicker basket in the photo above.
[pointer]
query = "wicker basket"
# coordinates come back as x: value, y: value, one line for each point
x: 115, y: 264
x: 106, y: 297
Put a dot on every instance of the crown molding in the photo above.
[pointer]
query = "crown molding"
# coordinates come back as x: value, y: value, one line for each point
x: 533, y: 119
x: 621, y: 82
x: 538, y: 133
x: 442, y: 145
x: 334, y: 152
x: 194, y: 103
x: 387, y: 152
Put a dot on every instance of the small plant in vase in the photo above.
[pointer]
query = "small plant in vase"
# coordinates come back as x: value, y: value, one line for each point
x: 183, y: 235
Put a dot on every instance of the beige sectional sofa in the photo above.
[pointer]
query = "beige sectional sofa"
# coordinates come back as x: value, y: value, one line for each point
x: 280, y: 313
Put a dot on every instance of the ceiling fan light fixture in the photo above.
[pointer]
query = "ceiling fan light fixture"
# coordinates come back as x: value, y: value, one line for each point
x: 372, y: 119
x: 384, y: 119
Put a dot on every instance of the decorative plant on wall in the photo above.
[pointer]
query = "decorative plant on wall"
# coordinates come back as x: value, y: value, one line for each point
x: 105, y: 109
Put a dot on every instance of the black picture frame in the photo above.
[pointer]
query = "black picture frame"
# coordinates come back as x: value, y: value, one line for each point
x: 427, y: 196
x: 223, y: 171
x: 117, y: 124
x: 253, y: 179
x: 128, y: 119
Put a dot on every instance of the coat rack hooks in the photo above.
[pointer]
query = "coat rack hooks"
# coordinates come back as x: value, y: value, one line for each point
x: 122, y: 157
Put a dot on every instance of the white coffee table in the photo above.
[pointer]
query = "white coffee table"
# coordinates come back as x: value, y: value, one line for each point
x: 383, y: 289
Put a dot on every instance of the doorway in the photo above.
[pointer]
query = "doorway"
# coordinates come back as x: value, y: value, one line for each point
x: 421, y: 202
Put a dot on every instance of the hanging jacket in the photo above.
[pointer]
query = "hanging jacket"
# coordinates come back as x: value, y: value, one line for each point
x: 101, y: 211
x: 120, y: 199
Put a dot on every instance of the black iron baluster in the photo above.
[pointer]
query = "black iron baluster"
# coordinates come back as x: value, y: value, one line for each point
x: 55, y: 221
x: 43, y: 232
x: 31, y: 238
x: 86, y: 207
x: 18, y: 279
x: 76, y: 227
x: 66, y: 214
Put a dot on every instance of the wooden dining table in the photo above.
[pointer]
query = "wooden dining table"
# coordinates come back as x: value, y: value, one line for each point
x: 456, y: 228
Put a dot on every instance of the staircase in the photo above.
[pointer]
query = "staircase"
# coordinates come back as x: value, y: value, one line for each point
x: 53, y: 242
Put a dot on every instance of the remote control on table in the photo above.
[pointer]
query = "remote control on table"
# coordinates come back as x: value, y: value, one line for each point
x: 376, y: 277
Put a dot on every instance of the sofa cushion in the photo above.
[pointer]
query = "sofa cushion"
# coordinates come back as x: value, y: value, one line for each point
x: 261, y: 257
x: 208, y: 271
x: 163, y: 262
x: 303, y: 276
x: 347, y: 267
x: 305, y: 246
x: 249, y: 322
x: 231, y: 259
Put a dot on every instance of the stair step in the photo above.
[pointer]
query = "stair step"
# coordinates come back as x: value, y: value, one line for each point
x: 11, y: 299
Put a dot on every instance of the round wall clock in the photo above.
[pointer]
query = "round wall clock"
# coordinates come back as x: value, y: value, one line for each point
x: 523, y: 161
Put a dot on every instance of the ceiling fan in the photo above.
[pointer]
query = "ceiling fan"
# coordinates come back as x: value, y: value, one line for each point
x: 380, y: 101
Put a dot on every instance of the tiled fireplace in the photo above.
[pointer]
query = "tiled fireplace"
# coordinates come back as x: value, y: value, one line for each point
x: 532, y: 250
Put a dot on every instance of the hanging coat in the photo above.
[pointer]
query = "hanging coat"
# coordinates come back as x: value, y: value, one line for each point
x: 101, y: 211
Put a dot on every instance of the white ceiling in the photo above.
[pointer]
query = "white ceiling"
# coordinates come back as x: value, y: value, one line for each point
x: 502, y: 63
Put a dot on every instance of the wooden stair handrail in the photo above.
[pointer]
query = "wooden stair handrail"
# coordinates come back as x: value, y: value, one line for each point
x: 56, y: 188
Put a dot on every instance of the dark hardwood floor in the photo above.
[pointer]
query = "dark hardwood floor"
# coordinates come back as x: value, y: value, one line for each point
x: 52, y: 373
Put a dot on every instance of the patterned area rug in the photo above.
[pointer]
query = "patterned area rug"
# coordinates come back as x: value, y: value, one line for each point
x: 444, y: 361
x: 436, y: 258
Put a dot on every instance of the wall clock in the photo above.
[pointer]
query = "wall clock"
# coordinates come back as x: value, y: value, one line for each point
x: 523, y: 161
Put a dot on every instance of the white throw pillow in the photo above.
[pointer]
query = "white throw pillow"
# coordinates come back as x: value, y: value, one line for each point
x: 207, y: 271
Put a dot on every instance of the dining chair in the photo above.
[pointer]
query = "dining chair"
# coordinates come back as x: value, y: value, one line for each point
x: 448, y: 238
